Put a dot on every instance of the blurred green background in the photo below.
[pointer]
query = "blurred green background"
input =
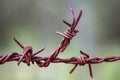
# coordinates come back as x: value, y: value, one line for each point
x: 34, y: 22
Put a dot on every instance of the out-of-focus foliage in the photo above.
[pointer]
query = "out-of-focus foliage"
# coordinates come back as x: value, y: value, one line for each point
x: 34, y: 22
x: 108, y: 18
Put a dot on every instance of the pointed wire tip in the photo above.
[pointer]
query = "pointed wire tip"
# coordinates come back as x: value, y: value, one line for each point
x: 67, y: 23
x: 80, y: 13
x: 89, y: 65
x: 70, y: 7
x: 90, y: 70
x: 71, y: 71
x: 61, y: 34
x: 85, y: 54
x: 81, y: 52
x: 14, y: 38
x: 78, y: 18
x: 43, y: 48
x: 18, y: 63
x: 72, y: 12
x: 40, y: 50
x: 18, y: 42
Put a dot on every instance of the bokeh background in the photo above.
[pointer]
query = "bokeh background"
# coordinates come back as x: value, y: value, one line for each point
x: 34, y: 22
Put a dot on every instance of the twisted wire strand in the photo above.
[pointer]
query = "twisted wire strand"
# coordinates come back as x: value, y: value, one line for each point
x: 14, y: 56
x: 67, y: 36
x: 28, y: 56
x: 39, y: 60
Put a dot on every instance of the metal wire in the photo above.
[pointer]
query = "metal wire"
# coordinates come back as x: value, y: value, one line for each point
x: 28, y: 56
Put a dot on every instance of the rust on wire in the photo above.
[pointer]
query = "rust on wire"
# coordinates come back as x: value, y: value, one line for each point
x: 28, y: 56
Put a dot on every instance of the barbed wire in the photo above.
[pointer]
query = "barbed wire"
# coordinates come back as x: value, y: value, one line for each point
x: 28, y: 56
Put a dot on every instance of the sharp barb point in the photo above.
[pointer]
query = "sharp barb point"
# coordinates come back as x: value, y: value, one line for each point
x: 42, y: 49
x: 42, y: 61
x: 18, y: 42
x: 67, y: 23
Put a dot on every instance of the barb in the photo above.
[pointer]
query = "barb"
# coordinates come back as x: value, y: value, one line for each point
x: 67, y: 36
x: 29, y: 56
x: 81, y: 61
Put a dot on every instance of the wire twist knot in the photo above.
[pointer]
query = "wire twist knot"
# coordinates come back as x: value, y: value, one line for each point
x: 81, y: 61
x: 68, y: 33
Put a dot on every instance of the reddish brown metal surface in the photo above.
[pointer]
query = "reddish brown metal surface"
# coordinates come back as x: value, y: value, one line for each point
x: 29, y: 56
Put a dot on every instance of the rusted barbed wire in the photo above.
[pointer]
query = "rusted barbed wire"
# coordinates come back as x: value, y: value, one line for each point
x: 14, y: 56
x: 29, y: 56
